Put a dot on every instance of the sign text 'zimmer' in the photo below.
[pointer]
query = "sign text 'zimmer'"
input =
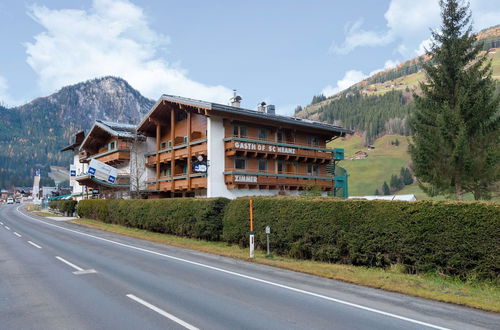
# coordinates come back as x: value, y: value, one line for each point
x: 263, y: 147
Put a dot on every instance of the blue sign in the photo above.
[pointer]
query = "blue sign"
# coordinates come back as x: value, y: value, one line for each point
x: 111, y: 179
x: 91, y: 170
x: 72, y: 173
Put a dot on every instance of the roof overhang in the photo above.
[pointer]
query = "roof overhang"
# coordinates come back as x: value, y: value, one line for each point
x: 79, y: 137
x: 162, y: 107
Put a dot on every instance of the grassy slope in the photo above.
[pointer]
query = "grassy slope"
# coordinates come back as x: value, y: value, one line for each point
x: 369, y: 173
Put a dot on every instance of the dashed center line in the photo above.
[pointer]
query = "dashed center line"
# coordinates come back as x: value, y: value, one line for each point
x: 35, y: 245
x: 17, y: 234
x: 162, y: 312
x: 1, y: 223
x: 8, y: 228
x: 69, y: 263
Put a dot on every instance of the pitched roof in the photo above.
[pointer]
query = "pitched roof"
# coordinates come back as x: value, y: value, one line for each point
x: 247, y: 113
x: 79, y: 137
x: 120, y: 130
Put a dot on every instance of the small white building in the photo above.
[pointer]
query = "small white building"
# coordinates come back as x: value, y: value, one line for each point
x: 408, y: 198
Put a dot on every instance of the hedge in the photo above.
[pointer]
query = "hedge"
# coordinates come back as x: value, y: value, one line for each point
x: 189, y: 217
x: 452, y: 238
x: 64, y: 206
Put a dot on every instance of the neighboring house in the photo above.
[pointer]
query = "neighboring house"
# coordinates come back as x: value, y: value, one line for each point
x: 204, y: 149
x: 408, y: 198
x: 76, y: 168
x: 114, y: 144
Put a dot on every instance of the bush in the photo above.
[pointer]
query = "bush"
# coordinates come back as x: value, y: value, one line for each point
x: 189, y: 217
x: 64, y: 206
x: 453, y: 238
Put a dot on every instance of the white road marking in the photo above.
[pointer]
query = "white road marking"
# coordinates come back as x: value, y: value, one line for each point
x: 162, y: 312
x: 69, y: 264
x: 35, y: 245
x: 86, y: 271
x: 8, y: 228
x: 17, y: 234
x: 369, y: 309
x: 1, y: 223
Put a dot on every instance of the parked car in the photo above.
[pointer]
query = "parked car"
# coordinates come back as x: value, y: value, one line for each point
x: 18, y: 200
x: 10, y: 200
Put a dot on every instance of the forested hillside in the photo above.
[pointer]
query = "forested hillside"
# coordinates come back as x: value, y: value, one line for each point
x: 32, y: 135
x: 381, y: 103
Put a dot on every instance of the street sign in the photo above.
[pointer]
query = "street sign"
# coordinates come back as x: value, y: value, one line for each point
x: 103, y: 171
x: 268, y: 230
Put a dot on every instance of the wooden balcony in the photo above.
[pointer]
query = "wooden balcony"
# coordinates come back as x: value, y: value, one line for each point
x: 114, y: 157
x: 178, y: 183
x: 181, y: 151
x: 272, y: 149
x: 263, y: 180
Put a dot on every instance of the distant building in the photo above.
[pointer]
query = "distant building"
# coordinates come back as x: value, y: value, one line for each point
x: 359, y: 155
x: 408, y: 198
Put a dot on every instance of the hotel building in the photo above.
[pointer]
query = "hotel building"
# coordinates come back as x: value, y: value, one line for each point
x: 204, y: 149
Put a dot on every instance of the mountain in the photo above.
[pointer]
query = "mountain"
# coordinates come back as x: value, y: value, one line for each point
x: 381, y: 103
x: 32, y: 134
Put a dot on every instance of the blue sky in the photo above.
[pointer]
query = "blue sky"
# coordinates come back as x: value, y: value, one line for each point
x: 282, y: 52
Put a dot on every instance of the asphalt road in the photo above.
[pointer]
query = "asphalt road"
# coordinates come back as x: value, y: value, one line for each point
x: 57, y: 275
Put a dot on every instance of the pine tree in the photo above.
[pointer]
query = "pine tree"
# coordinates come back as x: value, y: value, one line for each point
x: 385, y: 189
x: 377, y: 192
x: 455, y: 147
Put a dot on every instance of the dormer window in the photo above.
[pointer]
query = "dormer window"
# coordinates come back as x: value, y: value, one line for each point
x: 112, y: 145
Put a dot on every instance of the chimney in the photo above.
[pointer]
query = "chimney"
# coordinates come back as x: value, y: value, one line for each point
x: 270, y: 109
x: 235, y: 101
x: 261, y: 107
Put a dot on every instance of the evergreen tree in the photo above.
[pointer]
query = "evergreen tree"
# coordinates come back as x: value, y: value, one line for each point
x: 455, y: 147
x: 385, y: 189
x: 376, y: 192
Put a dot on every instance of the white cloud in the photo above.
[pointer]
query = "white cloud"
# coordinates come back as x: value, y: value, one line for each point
x: 350, y: 78
x: 112, y: 38
x: 424, y: 45
x: 409, y: 22
x: 6, y: 99
x: 405, y: 20
x: 357, y: 37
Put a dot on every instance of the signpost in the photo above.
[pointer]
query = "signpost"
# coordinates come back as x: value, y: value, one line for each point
x: 268, y: 231
x: 103, y: 171
x: 252, y: 236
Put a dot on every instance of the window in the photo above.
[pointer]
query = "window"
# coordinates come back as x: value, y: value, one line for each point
x: 185, y: 139
x: 313, y: 169
x: 279, y: 136
x: 309, y: 140
x: 262, y: 133
x: 240, y: 163
x: 279, y: 166
x: 163, y: 145
x: 169, y: 143
x: 185, y: 169
x: 112, y: 145
x: 240, y: 131
x: 262, y: 165
x: 315, y: 141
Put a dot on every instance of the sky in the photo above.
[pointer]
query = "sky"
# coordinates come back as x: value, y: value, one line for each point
x: 277, y: 51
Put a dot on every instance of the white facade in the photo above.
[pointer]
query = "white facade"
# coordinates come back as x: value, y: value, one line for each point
x: 216, y: 185
x: 80, y: 168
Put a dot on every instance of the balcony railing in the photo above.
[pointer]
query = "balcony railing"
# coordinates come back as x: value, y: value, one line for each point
x: 234, y: 178
x: 235, y: 144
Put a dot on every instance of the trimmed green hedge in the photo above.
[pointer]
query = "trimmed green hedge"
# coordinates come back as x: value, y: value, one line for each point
x: 459, y: 239
x: 64, y: 206
x: 453, y: 238
x: 189, y: 217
